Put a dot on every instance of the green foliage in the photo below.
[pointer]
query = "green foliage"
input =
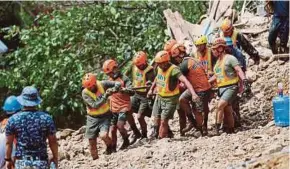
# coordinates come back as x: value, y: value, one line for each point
x: 66, y: 44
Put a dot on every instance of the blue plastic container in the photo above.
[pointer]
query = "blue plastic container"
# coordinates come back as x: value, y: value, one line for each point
x: 281, y: 110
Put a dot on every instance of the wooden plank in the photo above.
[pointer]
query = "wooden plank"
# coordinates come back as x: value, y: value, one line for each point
x: 173, y: 24
x: 253, y: 31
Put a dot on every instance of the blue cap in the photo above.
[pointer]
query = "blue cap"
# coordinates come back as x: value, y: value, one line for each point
x: 29, y: 97
x: 11, y: 105
x: 229, y: 41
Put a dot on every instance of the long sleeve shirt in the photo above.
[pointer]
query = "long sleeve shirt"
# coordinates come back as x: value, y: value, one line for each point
x: 99, y: 101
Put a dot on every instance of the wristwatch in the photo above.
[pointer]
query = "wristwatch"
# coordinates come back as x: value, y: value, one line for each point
x: 8, y: 159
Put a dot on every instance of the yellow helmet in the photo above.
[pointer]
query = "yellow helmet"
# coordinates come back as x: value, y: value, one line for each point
x: 201, y: 40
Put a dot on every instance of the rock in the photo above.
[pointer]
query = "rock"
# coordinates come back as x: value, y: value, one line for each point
x: 239, y: 152
x: 286, y: 149
x: 65, y: 133
x: 81, y: 130
x: 264, y: 53
x: 251, y: 75
x: 270, y: 124
x: 148, y: 154
x: 259, y: 96
x: 273, y: 149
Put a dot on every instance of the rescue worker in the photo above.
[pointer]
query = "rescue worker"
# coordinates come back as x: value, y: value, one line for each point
x: 143, y: 75
x: 11, y: 106
x: 239, y: 41
x: 196, y: 75
x: 120, y: 105
x: 230, y: 49
x: 31, y: 128
x: 181, y: 114
x: 166, y: 101
x: 169, y: 44
x: 95, y: 95
x: 279, y: 26
x: 204, y: 55
x: 227, y: 73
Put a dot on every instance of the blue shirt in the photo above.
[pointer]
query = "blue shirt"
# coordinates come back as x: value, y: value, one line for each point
x: 281, y: 8
x: 31, y: 130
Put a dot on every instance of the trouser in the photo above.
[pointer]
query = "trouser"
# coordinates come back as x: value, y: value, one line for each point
x: 26, y: 163
x: 279, y: 27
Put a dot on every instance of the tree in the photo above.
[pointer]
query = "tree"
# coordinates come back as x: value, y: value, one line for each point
x: 68, y: 43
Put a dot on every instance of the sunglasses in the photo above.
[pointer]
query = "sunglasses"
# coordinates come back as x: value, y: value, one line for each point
x: 219, y: 49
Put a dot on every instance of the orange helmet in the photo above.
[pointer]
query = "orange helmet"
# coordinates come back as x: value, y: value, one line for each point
x: 218, y: 42
x: 226, y: 25
x: 89, y: 80
x: 140, y: 58
x: 162, y: 56
x: 168, y: 45
x: 177, y: 49
x: 109, y: 65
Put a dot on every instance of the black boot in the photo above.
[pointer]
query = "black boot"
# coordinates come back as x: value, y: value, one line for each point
x: 187, y: 128
x: 135, y: 137
x: 108, y: 150
x: 170, y: 133
x: 113, y: 148
x: 125, y: 144
x: 144, y: 135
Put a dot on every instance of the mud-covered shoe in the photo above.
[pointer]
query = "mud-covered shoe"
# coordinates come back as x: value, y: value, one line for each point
x: 187, y: 128
x: 134, y: 138
x: 170, y: 133
x: 125, y: 144
x: 205, y: 132
x: 108, y: 150
x: 113, y: 148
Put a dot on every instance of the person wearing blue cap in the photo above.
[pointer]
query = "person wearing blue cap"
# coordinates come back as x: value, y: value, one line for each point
x: 230, y: 49
x: 11, y: 106
x: 31, y: 128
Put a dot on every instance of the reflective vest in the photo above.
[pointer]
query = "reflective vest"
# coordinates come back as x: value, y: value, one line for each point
x: 222, y: 78
x: 205, y: 60
x: 139, y: 77
x: 234, y: 37
x: 162, y: 82
x: 104, y: 108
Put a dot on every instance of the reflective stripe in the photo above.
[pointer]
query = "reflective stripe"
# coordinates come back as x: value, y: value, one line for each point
x: 222, y: 78
x: 139, y: 77
x: 104, y: 108
x: 205, y: 60
x: 162, y: 82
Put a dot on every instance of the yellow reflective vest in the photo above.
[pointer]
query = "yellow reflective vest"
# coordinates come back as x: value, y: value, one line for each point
x: 139, y: 77
x: 162, y: 82
x: 222, y: 78
x: 104, y: 108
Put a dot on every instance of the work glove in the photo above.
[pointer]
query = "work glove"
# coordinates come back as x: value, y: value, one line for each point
x: 195, y: 98
x: 110, y: 91
x: 247, y: 87
x: 148, y: 83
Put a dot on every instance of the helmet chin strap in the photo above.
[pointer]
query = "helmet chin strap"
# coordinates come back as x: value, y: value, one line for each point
x: 116, y: 75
